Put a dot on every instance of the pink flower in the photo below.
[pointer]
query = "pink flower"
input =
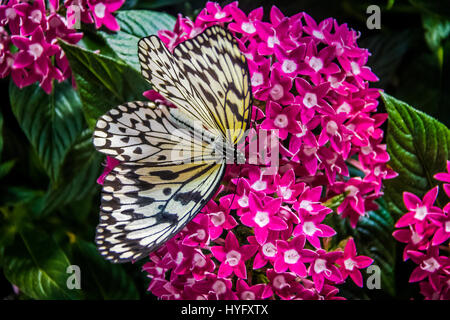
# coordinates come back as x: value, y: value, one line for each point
x: 256, y: 292
x: 219, y: 217
x: 233, y: 257
x: 102, y: 12
x: 197, y: 232
x: 282, y: 120
x: 33, y: 14
x: 292, y: 255
x: 278, y: 89
x: 288, y: 190
x: 418, y: 209
x: 350, y: 263
x: 244, y: 24
x: 262, y: 217
x: 430, y: 264
x: 323, y: 267
x: 311, y: 227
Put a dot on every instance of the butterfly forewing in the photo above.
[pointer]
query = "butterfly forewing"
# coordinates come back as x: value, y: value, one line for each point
x: 148, y: 133
x: 207, y: 77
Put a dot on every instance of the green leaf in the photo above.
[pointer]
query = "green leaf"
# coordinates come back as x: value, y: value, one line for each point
x: 419, y: 147
x: 78, y: 176
x: 100, y: 278
x: 102, y: 82
x: 373, y: 238
x: 437, y: 29
x: 38, y: 266
x: 134, y: 25
x: 51, y: 122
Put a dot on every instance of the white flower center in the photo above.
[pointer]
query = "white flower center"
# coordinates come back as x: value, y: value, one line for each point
x: 257, y: 79
x: 199, y: 260
x: 430, y: 265
x: 420, y: 213
x: 288, y: 66
x: 217, y: 218
x: 272, y: 41
x: 310, y: 100
x: 219, y: 15
x: 219, y: 287
x: 279, y: 282
x: 366, y: 150
x: 309, y: 151
x: 415, y: 237
x: 286, y: 193
x: 99, y: 10
x: 309, y: 228
x: 243, y: 201
x: 269, y: 250
x: 259, y: 185
x: 344, y: 108
x: 281, y: 121
x: 355, y: 68
x: 320, y: 265
x: 277, y: 92
x: 352, y: 191
x: 201, y: 234
x: 233, y: 258
x: 306, y: 204
x: 35, y: 50
x: 349, y: 264
x: 332, y: 127
x: 291, y: 256
x: 318, y: 34
x: 10, y: 13
x: 261, y: 218
x: 447, y: 226
x: 248, y: 295
x: 248, y: 27
x: 36, y: 16
x: 316, y: 63
x: 179, y: 258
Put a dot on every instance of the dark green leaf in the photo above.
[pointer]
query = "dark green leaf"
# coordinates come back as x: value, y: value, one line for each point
x: 36, y: 264
x: 100, y: 278
x: 373, y: 238
x: 79, y: 174
x: 437, y: 29
x: 103, y: 82
x: 51, y: 122
x: 418, y: 145
x: 134, y: 25
x: 439, y: 7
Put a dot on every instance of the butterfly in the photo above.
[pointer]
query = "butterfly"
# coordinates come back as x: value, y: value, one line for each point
x: 158, y: 187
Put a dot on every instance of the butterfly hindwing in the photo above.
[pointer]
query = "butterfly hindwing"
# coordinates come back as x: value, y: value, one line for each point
x: 207, y: 77
x: 144, y: 206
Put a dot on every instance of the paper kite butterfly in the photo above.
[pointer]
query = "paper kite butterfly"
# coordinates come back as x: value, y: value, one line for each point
x: 156, y: 190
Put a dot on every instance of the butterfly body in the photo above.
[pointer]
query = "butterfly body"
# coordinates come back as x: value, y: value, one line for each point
x: 172, y: 160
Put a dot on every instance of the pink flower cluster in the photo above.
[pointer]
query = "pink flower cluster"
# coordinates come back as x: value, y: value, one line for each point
x: 425, y: 228
x: 29, y: 50
x: 264, y: 234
